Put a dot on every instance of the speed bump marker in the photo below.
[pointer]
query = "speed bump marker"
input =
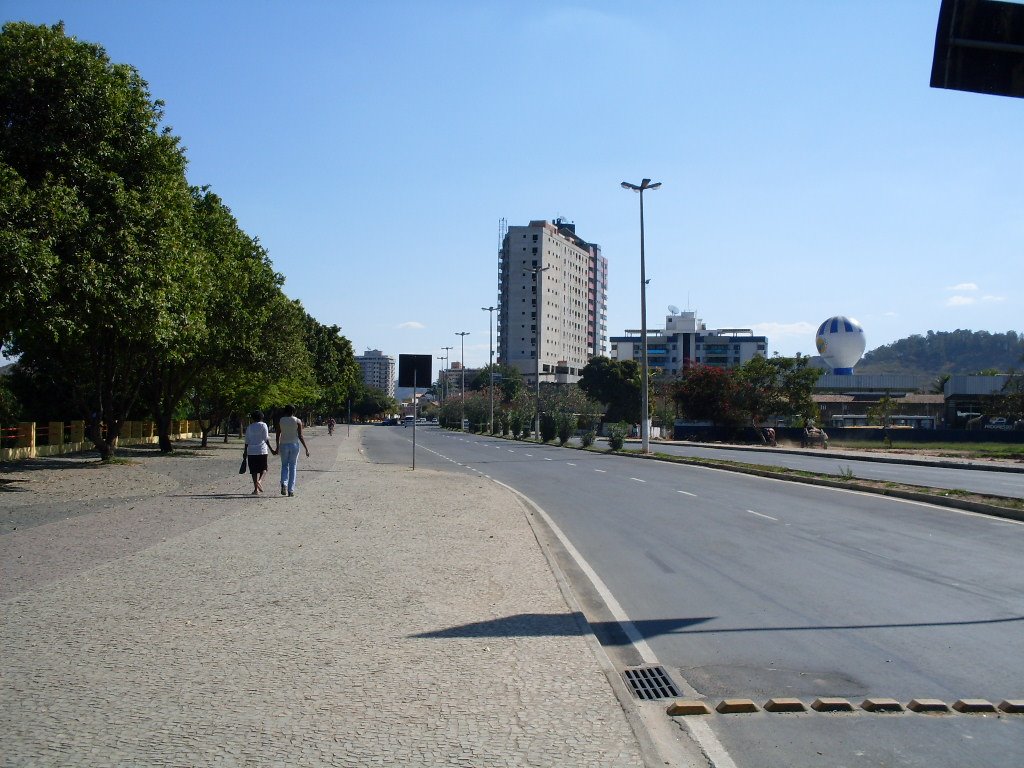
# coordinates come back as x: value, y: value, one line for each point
x: 1012, y: 706
x: 828, y: 704
x: 974, y: 705
x: 928, y: 705
x: 734, y: 706
x: 785, y: 705
x: 881, y: 705
x: 688, y: 708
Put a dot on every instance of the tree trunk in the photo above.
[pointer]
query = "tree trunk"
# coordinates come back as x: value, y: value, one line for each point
x: 163, y: 429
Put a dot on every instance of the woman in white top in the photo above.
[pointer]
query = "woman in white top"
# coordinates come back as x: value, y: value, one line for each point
x: 288, y: 437
x: 257, y: 445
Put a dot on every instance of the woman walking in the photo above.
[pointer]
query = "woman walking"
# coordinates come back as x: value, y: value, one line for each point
x: 288, y: 436
x: 257, y: 445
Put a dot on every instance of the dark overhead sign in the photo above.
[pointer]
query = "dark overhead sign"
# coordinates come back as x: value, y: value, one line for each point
x: 414, y: 370
x: 979, y: 47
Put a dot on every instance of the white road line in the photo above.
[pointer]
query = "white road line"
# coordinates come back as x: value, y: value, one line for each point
x: 570, y: 464
x: 638, y: 479
x: 687, y: 493
x: 701, y: 731
x: 528, y: 454
x: 547, y: 459
x: 760, y: 515
x: 600, y: 470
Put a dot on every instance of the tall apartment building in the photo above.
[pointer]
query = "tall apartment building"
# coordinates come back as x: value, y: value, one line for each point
x: 686, y: 341
x: 569, y: 312
x: 378, y: 370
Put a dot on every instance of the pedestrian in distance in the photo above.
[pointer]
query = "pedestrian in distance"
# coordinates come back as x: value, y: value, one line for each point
x: 288, y: 437
x: 257, y: 446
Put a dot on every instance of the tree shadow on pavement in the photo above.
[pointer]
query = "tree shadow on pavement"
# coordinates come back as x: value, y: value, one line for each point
x: 612, y: 633
x: 561, y: 625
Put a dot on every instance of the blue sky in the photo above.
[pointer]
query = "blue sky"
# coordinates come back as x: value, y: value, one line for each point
x: 808, y: 169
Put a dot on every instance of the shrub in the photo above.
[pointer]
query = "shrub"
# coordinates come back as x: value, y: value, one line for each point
x: 587, y: 438
x: 617, y: 435
x: 548, y: 428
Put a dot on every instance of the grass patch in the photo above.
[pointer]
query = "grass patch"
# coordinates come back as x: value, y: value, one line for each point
x: 1005, y: 451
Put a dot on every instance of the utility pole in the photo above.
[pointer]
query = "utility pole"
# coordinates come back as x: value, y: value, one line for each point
x: 538, y: 273
x: 490, y: 366
x: 462, y: 419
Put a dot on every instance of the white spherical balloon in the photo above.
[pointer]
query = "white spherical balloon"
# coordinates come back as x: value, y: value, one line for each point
x: 840, y: 342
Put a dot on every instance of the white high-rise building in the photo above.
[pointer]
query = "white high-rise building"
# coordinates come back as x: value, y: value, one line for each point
x: 378, y: 370
x: 568, y: 311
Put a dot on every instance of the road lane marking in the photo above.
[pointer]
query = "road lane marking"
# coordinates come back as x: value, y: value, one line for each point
x: 547, y: 459
x: 638, y: 479
x: 687, y: 493
x: 760, y: 515
x: 701, y: 731
x: 570, y: 464
x: 600, y: 470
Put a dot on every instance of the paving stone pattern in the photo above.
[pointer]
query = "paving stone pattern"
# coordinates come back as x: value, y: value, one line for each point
x: 382, y: 617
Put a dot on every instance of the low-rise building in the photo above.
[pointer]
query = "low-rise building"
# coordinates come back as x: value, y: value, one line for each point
x: 686, y: 341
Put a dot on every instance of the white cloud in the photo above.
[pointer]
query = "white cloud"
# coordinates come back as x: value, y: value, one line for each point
x: 992, y: 299
x: 963, y: 287
x: 773, y: 330
x: 412, y: 325
x: 959, y: 301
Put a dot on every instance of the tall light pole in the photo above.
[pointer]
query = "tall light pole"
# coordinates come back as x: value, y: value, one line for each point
x: 490, y: 365
x: 462, y: 419
x: 538, y: 272
x: 645, y: 425
x: 444, y: 386
x: 440, y: 383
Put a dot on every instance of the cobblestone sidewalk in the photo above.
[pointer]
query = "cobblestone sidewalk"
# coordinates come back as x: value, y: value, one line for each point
x: 382, y: 617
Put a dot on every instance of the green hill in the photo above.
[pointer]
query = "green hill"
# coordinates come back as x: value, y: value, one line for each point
x: 947, y: 352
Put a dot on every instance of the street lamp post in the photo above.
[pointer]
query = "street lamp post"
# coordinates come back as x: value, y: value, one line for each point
x: 462, y: 418
x: 444, y: 385
x: 538, y: 272
x: 490, y: 364
x: 645, y: 425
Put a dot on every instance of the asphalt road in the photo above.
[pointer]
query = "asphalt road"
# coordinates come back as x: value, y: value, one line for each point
x: 989, y: 481
x: 754, y: 588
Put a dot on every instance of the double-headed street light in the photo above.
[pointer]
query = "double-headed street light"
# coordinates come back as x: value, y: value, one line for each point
x: 462, y: 420
x: 645, y: 426
x: 538, y: 272
x: 490, y: 365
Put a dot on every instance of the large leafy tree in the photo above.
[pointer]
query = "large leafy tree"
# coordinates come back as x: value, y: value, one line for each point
x: 336, y: 372
x: 95, y: 203
x: 705, y: 392
x: 508, y: 381
x: 776, y: 386
x: 616, y: 384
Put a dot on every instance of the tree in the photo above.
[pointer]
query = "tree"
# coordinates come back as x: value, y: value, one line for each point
x: 507, y: 386
x: 616, y: 384
x: 373, y: 403
x: 707, y: 393
x: 335, y: 369
x: 97, y: 198
x: 881, y: 412
x: 776, y: 386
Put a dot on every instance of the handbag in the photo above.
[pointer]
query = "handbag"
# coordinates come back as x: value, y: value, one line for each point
x: 241, y: 469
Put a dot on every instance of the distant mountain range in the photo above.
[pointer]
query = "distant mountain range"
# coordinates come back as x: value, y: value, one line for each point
x: 938, y: 353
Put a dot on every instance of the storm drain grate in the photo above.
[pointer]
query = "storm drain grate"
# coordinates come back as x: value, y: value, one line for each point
x: 651, y: 683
